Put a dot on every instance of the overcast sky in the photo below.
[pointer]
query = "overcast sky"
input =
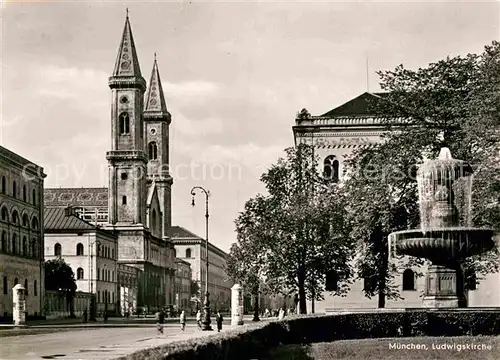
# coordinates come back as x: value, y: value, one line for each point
x: 234, y: 76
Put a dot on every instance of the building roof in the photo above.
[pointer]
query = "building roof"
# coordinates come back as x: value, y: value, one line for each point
x: 155, y: 99
x: 62, y: 219
x: 62, y: 197
x: 8, y: 156
x: 127, y: 62
x: 180, y: 235
x: 359, y: 106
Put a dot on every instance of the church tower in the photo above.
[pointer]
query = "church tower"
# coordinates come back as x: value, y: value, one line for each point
x: 157, y: 121
x: 127, y: 160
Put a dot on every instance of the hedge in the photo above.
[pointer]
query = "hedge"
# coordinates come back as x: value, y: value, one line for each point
x: 254, y: 341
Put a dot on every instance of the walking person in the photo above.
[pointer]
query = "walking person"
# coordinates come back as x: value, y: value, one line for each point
x: 85, y: 316
x: 219, y: 320
x: 183, y: 320
x: 160, y: 320
x: 198, y: 319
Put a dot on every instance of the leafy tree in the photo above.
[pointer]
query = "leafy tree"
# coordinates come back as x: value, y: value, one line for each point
x: 297, y: 233
x: 194, y: 288
x: 60, y: 277
x: 457, y: 98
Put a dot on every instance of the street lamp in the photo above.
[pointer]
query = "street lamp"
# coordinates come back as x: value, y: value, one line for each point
x: 91, y: 280
x: 206, y: 304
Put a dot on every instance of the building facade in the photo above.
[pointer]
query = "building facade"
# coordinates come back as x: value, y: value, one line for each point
x: 128, y: 279
x: 21, y: 229
x: 137, y: 204
x: 191, y: 248
x: 89, y: 251
x: 183, y: 276
x: 335, y: 135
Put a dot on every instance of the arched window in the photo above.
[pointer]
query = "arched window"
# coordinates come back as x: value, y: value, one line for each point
x: 25, y: 246
x: 26, y: 287
x: 4, y: 185
x: 34, y: 223
x: 408, y: 280
x: 5, y: 214
x: 153, y: 219
x: 331, y: 168
x: 15, y: 217
x: 153, y: 150
x: 471, y: 280
x: 124, y: 123
x: 5, y: 285
x: 14, y: 189
x: 4, y: 241
x: 79, y: 274
x: 26, y: 220
x: 33, y: 248
x: 188, y: 253
x: 14, y: 244
x: 57, y: 249
x: 35, y: 288
x: 79, y: 249
x: 24, y: 193
x: 331, y: 281
x: 34, y: 196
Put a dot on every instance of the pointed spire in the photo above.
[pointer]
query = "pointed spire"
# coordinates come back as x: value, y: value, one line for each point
x: 155, y: 103
x: 127, y: 62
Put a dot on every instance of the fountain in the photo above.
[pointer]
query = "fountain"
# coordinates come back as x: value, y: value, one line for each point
x: 446, y: 235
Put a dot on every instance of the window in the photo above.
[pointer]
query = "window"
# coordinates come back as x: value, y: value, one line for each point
x: 35, y: 288
x: 5, y: 285
x: 98, y: 296
x: 25, y: 246
x: 79, y: 249
x: 24, y: 193
x: 34, y: 196
x: 33, y: 248
x: 26, y: 287
x: 124, y: 200
x: 4, y: 241
x: 471, y: 280
x: 112, y: 253
x: 331, y: 281
x: 188, y: 253
x: 15, y: 217
x: 4, y: 185
x: 98, y: 278
x: 14, y: 244
x: 153, y: 150
x: 14, y: 189
x: 34, y: 223
x: 153, y: 219
x: 124, y: 124
x: 408, y: 280
x: 331, y: 168
x: 175, y: 253
x: 103, y: 276
x: 5, y: 214
x: 124, y: 176
x: 26, y: 220
x: 57, y: 249
x: 79, y: 274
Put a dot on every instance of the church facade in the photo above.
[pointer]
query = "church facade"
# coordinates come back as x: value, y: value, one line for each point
x: 335, y: 135
x: 136, y: 206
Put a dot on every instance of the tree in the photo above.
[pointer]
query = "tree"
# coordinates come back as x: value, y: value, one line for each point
x: 60, y: 277
x: 297, y: 233
x: 457, y: 98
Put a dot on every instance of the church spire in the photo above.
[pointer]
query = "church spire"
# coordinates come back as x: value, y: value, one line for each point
x: 127, y: 62
x: 155, y: 105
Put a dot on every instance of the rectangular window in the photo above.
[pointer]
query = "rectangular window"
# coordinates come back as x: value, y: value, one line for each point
x: 5, y: 285
x: 124, y: 200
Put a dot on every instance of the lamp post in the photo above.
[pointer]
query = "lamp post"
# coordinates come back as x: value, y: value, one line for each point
x: 91, y: 280
x: 206, y: 304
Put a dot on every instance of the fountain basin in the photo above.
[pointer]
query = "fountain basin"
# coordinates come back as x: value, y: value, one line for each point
x: 443, y: 244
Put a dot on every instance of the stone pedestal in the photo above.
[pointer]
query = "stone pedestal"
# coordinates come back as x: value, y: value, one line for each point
x: 236, y: 305
x: 19, y: 305
x: 441, y: 288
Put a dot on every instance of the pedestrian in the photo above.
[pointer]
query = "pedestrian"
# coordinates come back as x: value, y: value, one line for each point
x: 183, y: 320
x: 219, y: 320
x: 85, y: 316
x: 105, y: 316
x: 160, y: 320
x: 281, y: 314
x: 198, y: 319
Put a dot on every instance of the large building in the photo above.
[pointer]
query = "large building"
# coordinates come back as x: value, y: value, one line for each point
x: 183, y: 278
x: 21, y: 228
x: 137, y: 204
x: 192, y: 249
x: 335, y: 135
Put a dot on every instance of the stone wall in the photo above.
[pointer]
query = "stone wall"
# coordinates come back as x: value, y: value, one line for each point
x: 56, y: 306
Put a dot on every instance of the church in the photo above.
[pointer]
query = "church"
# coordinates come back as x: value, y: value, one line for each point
x: 136, y: 206
x: 335, y: 135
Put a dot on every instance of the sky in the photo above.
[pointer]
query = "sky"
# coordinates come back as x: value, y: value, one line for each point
x: 234, y: 76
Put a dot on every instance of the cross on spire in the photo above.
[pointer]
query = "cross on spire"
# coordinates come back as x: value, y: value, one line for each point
x: 127, y: 12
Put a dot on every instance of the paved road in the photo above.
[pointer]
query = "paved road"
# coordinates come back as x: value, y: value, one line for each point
x: 102, y: 343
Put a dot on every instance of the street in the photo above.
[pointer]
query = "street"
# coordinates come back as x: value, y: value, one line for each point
x: 101, y: 343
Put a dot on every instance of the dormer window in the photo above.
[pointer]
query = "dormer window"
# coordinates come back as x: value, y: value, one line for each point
x: 124, y: 123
